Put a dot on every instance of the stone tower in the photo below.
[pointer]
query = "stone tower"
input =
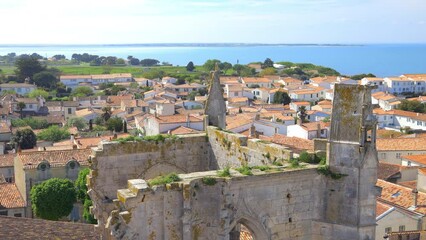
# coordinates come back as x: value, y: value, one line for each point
x: 216, y: 107
x: 351, y: 201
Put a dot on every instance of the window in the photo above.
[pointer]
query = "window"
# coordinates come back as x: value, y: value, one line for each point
x: 409, y: 163
x: 72, y: 165
x: 398, y: 155
x: 3, y: 213
x: 402, y: 228
x: 235, y: 94
x: 69, y: 110
x: 383, y: 155
x: 18, y: 215
x: 388, y: 230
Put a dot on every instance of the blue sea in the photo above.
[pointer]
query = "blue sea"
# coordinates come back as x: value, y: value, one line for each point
x: 380, y: 59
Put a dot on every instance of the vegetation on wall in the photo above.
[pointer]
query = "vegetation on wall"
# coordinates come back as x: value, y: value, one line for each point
x: 82, y: 196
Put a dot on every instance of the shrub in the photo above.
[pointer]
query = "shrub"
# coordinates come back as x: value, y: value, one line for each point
x: 245, y: 170
x: 162, y: 180
x: 54, y: 134
x: 305, y: 157
x: 294, y: 163
x: 262, y: 168
x: 225, y: 172
x: 209, y: 181
x: 326, y: 171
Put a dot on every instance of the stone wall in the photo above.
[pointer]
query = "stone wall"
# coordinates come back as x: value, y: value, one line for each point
x: 235, y: 150
x: 274, y: 205
x: 280, y: 203
x: 113, y: 163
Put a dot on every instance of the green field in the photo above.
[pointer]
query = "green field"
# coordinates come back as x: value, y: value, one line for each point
x: 136, y: 71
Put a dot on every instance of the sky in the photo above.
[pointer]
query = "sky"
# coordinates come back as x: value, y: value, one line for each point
x: 209, y: 21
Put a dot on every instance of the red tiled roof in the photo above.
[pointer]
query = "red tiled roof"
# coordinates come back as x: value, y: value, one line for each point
x: 55, y: 158
x: 6, y: 160
x: 296, y: 144
x: 381, y: 208
x: 402, y: 196
x: 387, y: 170
x: 416, y: 158
x: 30, y: 229
x: 10, y: 196
x: 401, y: 144
x: 181, y: 130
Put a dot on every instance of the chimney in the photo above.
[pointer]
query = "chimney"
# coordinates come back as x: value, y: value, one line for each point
x: 318, y: 130
x: 257, y: 117
x: 72, y: 138
x: 252, y: 131
x: 415, y: 197
x: 187, y: 120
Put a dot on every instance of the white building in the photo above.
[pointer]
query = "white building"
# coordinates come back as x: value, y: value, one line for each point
x: 19, y: 88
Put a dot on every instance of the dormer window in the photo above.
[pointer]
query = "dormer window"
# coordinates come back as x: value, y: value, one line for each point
x: 72, y: 164
x: 43, y: 166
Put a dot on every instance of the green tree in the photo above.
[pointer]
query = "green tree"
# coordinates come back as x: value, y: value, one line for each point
x: 124, y: 126
x: 149, y: 62
x: 361, y: 76
x: 34, y: 123
x: 268, y: 71
x: 106, y: 113
x: 190, y: 67
x: 281, y: 98
x: 82, y: 91
x: 268, y: 63
x: 45, y: 79
x: 38, y: 92
x: 27, y: 67
x: 25, y: 139
x: 225, y: 66
x: 54, y: 134
x: 115, y: 124
x: 210, y: 64
x: 302, y: 113
x: 78, y: 122
x: 21, y: 106
x: 412, y: 106
x: 134, y: 61
x: 121, y: 61
x: 53, y: 199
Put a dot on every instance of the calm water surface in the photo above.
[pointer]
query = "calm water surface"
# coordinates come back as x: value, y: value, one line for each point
x: 382, y: 60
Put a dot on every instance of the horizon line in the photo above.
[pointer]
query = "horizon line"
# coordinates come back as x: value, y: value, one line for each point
x: 203, y: 44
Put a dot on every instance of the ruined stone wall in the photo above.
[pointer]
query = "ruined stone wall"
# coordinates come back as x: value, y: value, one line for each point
x: 278, y: 205
x: 113, y: 163
x: 235, y: 150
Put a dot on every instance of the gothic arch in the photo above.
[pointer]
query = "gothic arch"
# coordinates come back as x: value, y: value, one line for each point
x: 254, y: 226
x: 158, y: 169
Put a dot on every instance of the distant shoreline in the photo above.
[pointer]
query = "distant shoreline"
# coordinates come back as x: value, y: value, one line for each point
x: 183, y: 45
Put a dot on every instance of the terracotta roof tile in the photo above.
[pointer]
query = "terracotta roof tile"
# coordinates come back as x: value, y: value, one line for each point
x: 387, y: 170
x: 6, y: 160
x: 181, y: 130
x: 31, y: 229
x: 55, y: 158
x: 296, y: 144
x: 10, y: 196
x: 402, y: 196
x: 233, y: 122
x: 409, y: 184
x: 416, y: 158
x: 381, y: 208
x: 401, y: 144
x: 178, y: 118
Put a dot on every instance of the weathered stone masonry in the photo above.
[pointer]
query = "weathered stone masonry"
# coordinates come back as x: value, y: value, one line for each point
x: 283, y: 203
